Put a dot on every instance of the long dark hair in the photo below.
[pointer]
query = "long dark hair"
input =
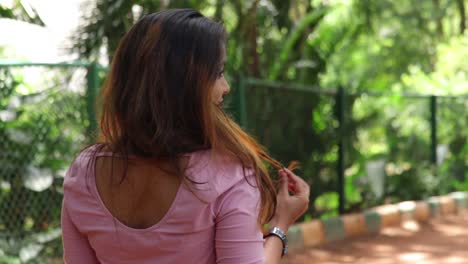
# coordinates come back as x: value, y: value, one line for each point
x: 156, y: 101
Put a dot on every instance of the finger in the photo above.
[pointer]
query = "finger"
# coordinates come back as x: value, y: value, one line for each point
x: 300, y: 184
x: 290, y: 175
x: 283, y: 183
x: 294, y: 177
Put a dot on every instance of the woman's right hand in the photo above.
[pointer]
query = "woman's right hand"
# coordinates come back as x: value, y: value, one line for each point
x: 290, y: 207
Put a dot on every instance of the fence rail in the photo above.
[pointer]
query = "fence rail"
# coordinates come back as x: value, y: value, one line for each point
x: 340, y: 95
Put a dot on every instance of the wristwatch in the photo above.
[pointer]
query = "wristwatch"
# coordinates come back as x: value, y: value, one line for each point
x: 275, y: 231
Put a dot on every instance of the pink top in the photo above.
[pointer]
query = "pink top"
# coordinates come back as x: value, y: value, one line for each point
x: 223, y: 230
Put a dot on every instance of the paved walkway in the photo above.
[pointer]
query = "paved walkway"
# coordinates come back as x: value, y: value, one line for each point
x: 440, y: 241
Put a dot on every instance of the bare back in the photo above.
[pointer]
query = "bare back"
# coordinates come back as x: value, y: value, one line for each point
x: 144, y: 196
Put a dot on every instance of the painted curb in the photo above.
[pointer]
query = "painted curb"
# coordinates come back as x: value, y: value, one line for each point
x: 447, y: 205
x: 295, y: 237
x: 354, y: 224
x: 334, y: 229
x: 317, y: 232
x: 389, y: 215
x: 434, y: 206
x: 422, y: 211
x: 372, y: 221
x: 460, y: 200
x: 313, y: 233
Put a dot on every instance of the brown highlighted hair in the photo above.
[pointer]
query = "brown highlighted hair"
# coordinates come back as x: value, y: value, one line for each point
x: 156, y: 101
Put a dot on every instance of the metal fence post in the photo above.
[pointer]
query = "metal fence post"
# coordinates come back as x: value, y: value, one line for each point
x: 91, y: 89
x: 340, y: 111
x: 240, y: 112
x: 433, y: 106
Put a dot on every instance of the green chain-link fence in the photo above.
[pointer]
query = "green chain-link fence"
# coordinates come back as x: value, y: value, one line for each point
x: 45, y: 119
x: 360, y: 149
x: 47, y: 116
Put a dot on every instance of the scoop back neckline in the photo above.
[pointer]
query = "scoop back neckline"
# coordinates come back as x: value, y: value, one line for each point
x: 115, y: 219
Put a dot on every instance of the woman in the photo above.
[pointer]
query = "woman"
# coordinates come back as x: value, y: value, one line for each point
x: 173, y: 179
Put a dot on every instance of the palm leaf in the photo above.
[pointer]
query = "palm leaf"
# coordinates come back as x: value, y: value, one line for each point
x: 22, y: 12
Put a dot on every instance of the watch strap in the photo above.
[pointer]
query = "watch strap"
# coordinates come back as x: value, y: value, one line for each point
x: 275, y: 231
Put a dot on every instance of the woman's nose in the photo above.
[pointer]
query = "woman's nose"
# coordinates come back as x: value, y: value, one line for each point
x: 227, y: 89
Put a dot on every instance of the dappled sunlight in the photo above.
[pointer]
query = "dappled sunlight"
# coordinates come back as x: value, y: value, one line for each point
x: 454, y: 259
x: 396, y: 232
x: 319, y: 253
x: 407, y: 206
x: 383, y: 248
x: 413, y: 257
x: 439, y: 241
x: 426, y: 248
x: 412, y: 226
x: 450, y: 230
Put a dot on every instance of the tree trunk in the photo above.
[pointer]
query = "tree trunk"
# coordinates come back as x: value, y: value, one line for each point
x: 440, y: 29
x: 163, y: 4
x: 219, y: 10
x: 461, y: 9
x: 252, y: 52
x: 250, y: 30
x: 368, y: 14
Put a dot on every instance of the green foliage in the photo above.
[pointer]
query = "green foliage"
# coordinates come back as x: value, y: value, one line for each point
x: 19, y: 10
x: 368, y: 47
x: 326, y: 204
x: 41, y: 130
x: 411, y: 184
x: 295, y: 35
x: 375, y: 46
